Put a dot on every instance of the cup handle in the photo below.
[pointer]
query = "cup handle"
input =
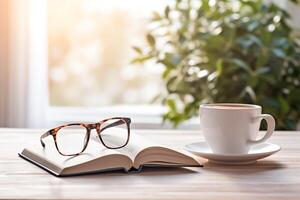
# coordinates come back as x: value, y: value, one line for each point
x: 271, y: 126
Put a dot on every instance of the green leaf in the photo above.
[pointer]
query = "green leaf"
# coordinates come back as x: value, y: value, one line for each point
x: 156, y: 99
x: 282, y: 42
x: 252, y: 25
x: 263, y: 70
x: 167, y: 72
x: 255, y: 40
x: 240, y: 63
x: 167, y: 11
x: 272, y: 103
x: 219, y: 66
x: 171, y: 84
x: 141, y: 59
x: 279, y: 53
x: 205, y: 5
x: 254, y: 6
x: 215, y: 42
x: 248, y: 40
x: 138, y: 50
x: 156, y: 16
x: 249, y: 90
x: 262, y: 59
x: 295, y: 1
x: 171, y: 104
x: 150, y: 39
x: 294, y: 96
x: 284, y: 106
x: 167, y: 63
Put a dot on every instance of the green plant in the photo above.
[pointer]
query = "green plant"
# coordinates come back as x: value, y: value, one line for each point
x: 226, y: 51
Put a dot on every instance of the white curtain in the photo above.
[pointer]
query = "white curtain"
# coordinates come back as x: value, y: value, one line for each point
x: 3, y: 58
x: 23, y: 63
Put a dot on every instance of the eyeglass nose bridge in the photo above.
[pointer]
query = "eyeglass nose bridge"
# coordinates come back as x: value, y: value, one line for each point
x: 96, y: 126
x: 93, y: 126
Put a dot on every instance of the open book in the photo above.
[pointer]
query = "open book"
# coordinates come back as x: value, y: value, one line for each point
x: 137, y: 153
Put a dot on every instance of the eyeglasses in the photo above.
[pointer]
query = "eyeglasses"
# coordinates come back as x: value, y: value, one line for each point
x: 72, y: 139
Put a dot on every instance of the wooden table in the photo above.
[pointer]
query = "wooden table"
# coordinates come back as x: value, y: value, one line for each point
x: 276, y: 177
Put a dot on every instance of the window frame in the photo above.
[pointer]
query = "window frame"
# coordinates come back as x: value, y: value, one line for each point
x: 143, y: 116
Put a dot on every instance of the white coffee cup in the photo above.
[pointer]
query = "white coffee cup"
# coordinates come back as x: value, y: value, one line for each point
x: 232, y: 128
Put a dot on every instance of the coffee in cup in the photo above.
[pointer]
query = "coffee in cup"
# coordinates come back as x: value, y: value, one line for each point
x: 232, y: 129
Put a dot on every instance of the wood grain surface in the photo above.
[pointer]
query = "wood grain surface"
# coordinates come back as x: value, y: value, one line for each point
x: 275, y: 177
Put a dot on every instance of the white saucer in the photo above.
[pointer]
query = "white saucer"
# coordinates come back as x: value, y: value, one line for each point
x: 256, y: 152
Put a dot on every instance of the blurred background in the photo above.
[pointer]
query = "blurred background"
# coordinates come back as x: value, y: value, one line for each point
x: 69, y: 60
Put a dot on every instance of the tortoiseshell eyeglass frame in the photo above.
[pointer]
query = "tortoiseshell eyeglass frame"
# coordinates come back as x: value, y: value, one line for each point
x: 89, y: 127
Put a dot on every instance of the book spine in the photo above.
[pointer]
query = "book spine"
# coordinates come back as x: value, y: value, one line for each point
x: 134, y: 170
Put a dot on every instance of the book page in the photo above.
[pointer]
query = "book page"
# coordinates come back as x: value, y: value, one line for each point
x: 143, y: 151
x: 165, y: 156
x: 135, y: 144
x: 95, y: 156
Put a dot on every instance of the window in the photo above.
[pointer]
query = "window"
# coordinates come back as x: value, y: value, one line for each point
x: 89, y: 51
x: 90, y: 46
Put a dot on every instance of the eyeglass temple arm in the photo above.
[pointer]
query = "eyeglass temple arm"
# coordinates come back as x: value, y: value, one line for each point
x: 119, y: 122
x: 43, y: 136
